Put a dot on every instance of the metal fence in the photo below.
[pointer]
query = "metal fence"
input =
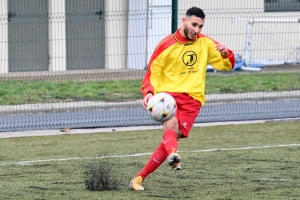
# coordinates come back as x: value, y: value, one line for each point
x: 79, y: 64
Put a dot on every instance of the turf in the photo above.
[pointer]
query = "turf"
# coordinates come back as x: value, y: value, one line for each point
x: 26, y: 92
x: 253, y: 161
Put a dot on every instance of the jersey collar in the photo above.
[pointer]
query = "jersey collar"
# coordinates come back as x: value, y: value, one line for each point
x: 182, y: 40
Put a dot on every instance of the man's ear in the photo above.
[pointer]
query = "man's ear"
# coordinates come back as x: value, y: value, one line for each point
x: 184, y: 21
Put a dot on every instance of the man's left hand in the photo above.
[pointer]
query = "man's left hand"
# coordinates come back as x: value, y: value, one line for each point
x: 222, y: 49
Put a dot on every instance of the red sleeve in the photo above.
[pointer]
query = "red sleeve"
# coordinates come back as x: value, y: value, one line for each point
x: 230, y: 57
x: 146, y: 84
x: 147, y: 87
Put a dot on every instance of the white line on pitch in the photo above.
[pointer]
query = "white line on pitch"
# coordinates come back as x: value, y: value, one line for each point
x: 144, y: 154
x: 244, y: 148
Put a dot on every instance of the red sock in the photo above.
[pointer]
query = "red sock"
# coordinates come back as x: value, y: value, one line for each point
x: 157, y: 158
x: 170, y: 141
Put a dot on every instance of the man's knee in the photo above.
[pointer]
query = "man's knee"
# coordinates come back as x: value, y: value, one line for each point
x: 179, y: 134
x: 171, y: 124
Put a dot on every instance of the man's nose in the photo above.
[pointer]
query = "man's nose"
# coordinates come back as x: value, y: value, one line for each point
x: 196, y: 29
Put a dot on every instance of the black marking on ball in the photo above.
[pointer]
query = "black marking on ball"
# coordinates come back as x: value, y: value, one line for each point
x: 150, y: 109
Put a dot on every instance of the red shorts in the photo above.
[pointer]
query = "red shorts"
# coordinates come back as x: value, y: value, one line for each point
x: 187, y: 111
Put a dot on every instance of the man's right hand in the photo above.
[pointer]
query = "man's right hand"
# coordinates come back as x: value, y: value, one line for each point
x: 146, y: 99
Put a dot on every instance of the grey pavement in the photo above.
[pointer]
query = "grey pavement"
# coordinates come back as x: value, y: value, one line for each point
x: 90, y: 117
x: 33, y: 133
x: 89, y: 105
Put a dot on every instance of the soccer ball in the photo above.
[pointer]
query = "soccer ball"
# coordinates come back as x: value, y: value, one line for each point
x: 162, y: 107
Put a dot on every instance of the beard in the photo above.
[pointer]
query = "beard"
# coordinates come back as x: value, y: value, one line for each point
x: 186, y: 32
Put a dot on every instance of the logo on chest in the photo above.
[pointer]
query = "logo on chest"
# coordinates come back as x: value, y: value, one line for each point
x: 189, y: 58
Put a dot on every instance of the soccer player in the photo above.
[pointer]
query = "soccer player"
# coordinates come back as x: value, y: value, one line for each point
x: 178, y: 67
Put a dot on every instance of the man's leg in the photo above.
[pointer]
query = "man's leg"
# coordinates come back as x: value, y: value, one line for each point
x: 170, y: 140
x: 157, y: 158
x: 171, y: 145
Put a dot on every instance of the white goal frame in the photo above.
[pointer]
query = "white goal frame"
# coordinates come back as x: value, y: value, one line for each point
x: 261, y: 20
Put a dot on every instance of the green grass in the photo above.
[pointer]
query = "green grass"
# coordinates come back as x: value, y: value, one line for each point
x: 240, y: 83
x: 21, y: 92
x: 24, y: 92
x: 225, y: 172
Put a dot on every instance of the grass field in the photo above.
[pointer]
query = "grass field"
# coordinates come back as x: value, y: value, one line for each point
x: 250, y: 161
x: 26, y: 92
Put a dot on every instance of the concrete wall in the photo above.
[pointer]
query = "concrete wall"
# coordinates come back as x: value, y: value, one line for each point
x: 148, y: 22
x: 57, y: 36
x: 234, y: 23
x: 3, y: 37
x: 116, y: 31
x: 229, y: 22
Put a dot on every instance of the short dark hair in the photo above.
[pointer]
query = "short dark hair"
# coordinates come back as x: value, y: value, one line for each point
x: 196, y: 12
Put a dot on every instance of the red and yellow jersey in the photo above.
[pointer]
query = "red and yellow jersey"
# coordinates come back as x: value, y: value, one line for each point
x: 179, y: 65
